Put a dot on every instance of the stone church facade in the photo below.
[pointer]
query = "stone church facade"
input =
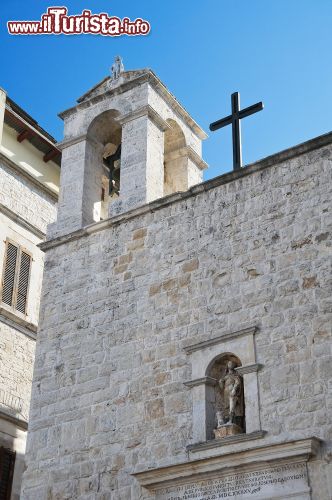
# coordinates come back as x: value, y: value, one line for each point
x: 154, y: 296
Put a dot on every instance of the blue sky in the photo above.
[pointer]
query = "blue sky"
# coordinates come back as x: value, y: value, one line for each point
x: 275, y: 51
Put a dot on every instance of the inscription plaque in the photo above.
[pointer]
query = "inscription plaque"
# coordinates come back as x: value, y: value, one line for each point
x: 280, y: 481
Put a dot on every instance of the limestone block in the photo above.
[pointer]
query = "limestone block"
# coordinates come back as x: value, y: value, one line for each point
x: 227, y: 430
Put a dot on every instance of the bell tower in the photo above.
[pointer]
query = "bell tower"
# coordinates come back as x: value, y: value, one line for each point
x: 127, y: 142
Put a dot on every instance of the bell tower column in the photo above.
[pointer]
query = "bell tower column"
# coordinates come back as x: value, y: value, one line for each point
x: 80, y: 192
x: 142, y: 160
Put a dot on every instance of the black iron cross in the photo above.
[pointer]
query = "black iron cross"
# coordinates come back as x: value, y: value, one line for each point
x: 234, y: 119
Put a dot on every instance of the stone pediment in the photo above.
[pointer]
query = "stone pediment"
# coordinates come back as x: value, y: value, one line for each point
x: 108, y: 83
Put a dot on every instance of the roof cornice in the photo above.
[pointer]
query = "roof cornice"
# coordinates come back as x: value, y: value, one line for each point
x: 160, y: 203
x: 147, y: 77
x: 22, y: 222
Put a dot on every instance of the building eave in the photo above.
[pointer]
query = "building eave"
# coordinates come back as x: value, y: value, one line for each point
x: 23, y: 123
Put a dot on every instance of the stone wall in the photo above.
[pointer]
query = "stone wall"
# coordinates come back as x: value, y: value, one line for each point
x: 17, y: 353
x: 16, y: 360
x: 24, y: 198
x: 121, y: 301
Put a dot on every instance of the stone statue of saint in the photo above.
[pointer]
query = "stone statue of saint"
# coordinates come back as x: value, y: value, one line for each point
x: 230, y: 386
x: 117, y: 68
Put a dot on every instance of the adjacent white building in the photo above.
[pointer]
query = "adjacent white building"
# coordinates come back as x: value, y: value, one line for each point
x: 29, y: 185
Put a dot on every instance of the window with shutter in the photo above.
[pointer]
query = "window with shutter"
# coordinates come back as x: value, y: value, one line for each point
x: 23, y: 282
x: 16, y: 274
x: 9, y: 274
x: 7, y: 462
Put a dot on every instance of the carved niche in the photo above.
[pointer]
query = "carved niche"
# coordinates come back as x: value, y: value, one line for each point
x: 226, y: 397
x: 221, y: 365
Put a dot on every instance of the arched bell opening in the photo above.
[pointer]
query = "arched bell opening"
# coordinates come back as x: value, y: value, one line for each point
x: 104, y: 151
x: 175, y: 160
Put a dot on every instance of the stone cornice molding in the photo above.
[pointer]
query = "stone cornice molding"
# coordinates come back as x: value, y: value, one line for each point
x: 66, y: 143
x: 187, y: 152
x: 270, y: 161
x: 243, y: 370
x: 216, y: 443
x: 87, y: 103
x: 14, y: 321
x: 30, y: 178
x: 149, y: 77
x: 145, y: 111
x: 18, y: 422
x: 217, y: 466
x: 200, y: 381
x: 22, y: 222
x: 196, y: 159
x: 220, y: 339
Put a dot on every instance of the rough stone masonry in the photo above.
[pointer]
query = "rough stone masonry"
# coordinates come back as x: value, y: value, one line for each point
x: 123, y: 297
